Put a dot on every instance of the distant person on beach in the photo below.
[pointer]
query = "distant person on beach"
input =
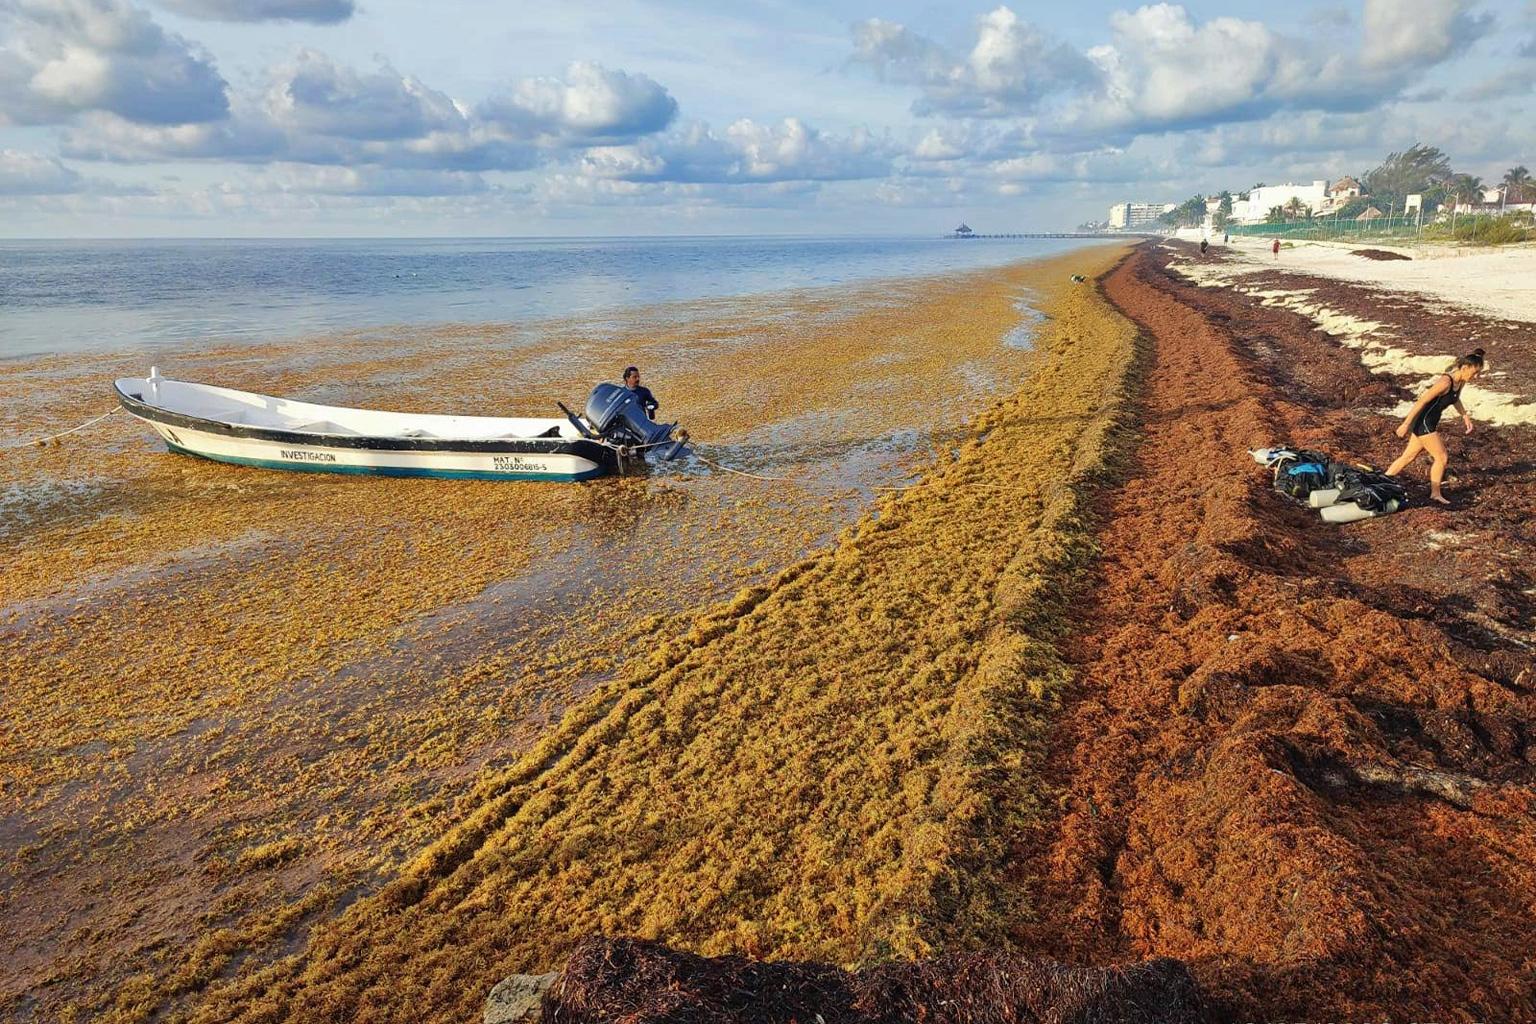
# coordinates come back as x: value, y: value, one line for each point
x: 647, y: 400
x: 1204, y: 245
x: 1275, y: 248
x: 1225, y: 238
x: 1423, y: 420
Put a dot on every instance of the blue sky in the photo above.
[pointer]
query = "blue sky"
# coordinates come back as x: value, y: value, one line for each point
x: 389, y: 117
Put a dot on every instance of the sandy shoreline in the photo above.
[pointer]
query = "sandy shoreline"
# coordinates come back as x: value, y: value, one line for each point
x: 1385, y: 345
x: 1494, y: 281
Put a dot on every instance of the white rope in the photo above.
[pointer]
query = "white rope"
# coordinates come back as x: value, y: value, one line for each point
x: 797, y: 480
x: 742, y: 472
x: 42, y: 441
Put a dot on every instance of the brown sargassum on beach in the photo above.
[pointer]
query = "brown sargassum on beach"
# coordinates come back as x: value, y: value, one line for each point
x: 1301, y: 759
x: 638, y: 982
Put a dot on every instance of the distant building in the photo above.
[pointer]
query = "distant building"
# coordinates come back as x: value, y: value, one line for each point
x: 1370, y: 213
x: 1262, y: 200
x: 1340, y: 193
x: 964, y: 231
x: 1134, y: 216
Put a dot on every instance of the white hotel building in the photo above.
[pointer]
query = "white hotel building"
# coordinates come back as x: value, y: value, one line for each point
x: 1260, y: 201
x: 1130, y: 216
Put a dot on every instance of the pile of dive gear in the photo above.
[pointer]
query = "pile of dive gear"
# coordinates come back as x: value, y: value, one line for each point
x: 1342, y: 492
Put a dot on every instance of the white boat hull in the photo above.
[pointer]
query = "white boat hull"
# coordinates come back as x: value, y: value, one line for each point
x: 315, y: 458
x: 255, y: 430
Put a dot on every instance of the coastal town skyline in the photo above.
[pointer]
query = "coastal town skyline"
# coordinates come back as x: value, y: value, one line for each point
x: 325, y: 117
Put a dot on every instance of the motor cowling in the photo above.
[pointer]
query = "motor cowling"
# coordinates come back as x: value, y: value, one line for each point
x: 616, y: 414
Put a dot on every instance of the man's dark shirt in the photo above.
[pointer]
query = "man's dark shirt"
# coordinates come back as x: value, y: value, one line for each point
x: 647, y: 400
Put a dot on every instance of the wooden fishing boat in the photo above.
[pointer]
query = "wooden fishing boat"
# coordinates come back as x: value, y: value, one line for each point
x: 278, y: 433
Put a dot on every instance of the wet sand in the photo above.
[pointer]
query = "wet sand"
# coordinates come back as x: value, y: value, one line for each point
x: 239, y: 700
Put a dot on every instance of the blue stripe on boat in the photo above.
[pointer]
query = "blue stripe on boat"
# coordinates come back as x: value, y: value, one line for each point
x: 439, y: 474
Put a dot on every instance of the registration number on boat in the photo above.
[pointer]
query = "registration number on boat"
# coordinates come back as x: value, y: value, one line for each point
x: 518, y: 464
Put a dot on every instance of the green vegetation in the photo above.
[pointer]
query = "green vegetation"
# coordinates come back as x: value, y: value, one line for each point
x: 1224, y: 211
x: 1417, y: 170
x: 1484, y: 229
x: 1520, y: 188
x: 1426, y: 171
x: 1354, y: 208
x: 1190, y: 213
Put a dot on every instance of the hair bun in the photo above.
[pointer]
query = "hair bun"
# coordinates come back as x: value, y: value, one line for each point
x: 1478, y: 352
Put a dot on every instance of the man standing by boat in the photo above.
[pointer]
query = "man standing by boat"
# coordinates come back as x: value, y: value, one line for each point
x: 647, y: 400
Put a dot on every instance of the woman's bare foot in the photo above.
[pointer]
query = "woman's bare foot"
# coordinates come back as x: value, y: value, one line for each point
x: 1442, y: 499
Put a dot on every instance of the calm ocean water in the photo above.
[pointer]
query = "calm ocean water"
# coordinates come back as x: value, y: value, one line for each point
x: 71, y: 296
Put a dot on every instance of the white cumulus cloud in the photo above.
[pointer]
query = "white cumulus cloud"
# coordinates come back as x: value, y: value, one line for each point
x: 62, y: 57
x: 746, y: 151
x: 1161, y: 70
x: 591, y: 103
x: 314, y: 110
x: 314, y: 95
x: 1012, y: 67
x: 1164, y: 69
x: 1418, y: 32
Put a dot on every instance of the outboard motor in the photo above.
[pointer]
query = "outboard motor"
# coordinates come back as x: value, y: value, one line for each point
x: 615, y: 413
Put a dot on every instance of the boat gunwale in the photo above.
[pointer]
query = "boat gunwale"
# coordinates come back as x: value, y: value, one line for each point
x: 601, y: 454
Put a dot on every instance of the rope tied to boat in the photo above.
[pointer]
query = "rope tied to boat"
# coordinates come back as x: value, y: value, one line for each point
x: 742, y: 472
x: 42, y: 442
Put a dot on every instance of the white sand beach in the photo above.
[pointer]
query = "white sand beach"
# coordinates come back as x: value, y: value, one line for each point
x: 1497, y: 281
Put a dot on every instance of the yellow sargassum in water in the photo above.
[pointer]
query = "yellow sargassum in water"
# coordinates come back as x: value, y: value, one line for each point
x: 824, y: 767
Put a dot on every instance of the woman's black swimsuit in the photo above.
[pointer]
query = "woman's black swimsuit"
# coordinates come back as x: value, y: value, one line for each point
x: 1428, y: 419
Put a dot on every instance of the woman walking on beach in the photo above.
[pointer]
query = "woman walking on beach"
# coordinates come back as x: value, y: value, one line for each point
x: 1423, y: 420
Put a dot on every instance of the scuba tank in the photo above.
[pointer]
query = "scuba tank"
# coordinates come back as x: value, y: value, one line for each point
x: 1351, y: 512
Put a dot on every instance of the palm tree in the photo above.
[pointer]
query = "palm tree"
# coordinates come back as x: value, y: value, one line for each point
x: 1465, y: 189
x: 1296, y: 208
x: 1516, y: 180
